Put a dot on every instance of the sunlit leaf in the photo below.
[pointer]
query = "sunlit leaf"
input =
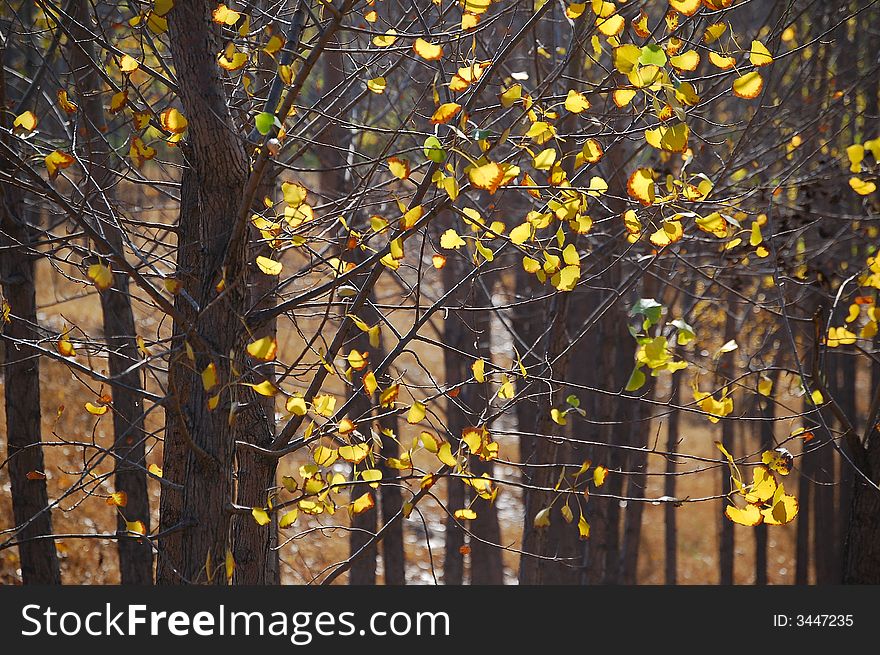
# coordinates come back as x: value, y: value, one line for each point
x: 426, y: 50
x: 749, y: 516
x: 749, y: 85
x: 261, y: 516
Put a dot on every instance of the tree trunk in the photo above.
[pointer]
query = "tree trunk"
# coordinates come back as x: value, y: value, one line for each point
x: 726, y: 546
x: 670, y: 531
x: 21, y: 371
x: 199, y: 440
x: 129, y: 437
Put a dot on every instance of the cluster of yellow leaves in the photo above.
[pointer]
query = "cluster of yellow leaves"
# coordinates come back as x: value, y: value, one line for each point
x: 765, y: 500
x: 715, y: 408
x: 856, y: 155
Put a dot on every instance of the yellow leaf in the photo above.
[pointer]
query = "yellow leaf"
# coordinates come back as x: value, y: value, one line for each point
x: 65, y: 103
x: 385, y: 40
x: 377, y: 85
x: 26, y: 120
x: 372, y: 476
x: 232, y: 59
x: 136, y: 527
x: 140, y: 152
x: 713, y: 32
x: 686, y: 7
x: 521, y: 233
x: 450, y: 240
x: 416, y: 413
x: 224, y: 15
x: 763, y: 486
x: 686, y: 61
x: 749, y: 516
x: 387, y: 397
x: 101, y: 275
x: 117, y: 101
x: 465, y: 514
x: 863, y: 188
x: 817, y: 397
x: 370, y: 384
x: 260, y: 516
x: 673, y: 138
x: 622, y: 97
x: 230, y: 565
x: 583, y: 528
x: 444, y: 454
x: 479, y: 368
x: 269, y: 266
x: 591, y: 151
x: 723, y: 62
x: 558, y: 416
x: 263, y: 349
x: 611, y: 26
x: 426, y: 50
x: 541, y: 132
x: 576, y: 102
x: 765, y: 386
x: 445, y: 113
x: 568, y: 278
x: 97, y: 410
x: 264, y: 388
x: 128, y: 64
x: 288, y: 519
x: 748, y: 86
x: 362, y: 504
x: 209, y: 376
x: 57, y: 160
x: 640, y: 186
x: 118, y: 499
x: 759, y: 55
x: 542, y: 518
x: 511, y: 95
x: 399, y: 167
x: 275, y: 43
x: 544, y: 159
x: 669, y: 232
x: 296, y: 405
x: 409, y: 219
x: 355, y: 453
x: 156, y: 470
x: 173, y: 121
x: 430, y: 442
x: 714, y: 223
x: 324, y: 404
x: 488, y: 176
x: 783, y: 509
x: 467, y: 76
x: 599, y: 475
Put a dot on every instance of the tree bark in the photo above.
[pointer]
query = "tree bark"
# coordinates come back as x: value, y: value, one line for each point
x: 212, y: 192
x: 129, y: 437
x: 21, y: 371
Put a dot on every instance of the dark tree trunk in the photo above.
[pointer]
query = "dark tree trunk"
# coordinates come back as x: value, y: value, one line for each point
x: 21, y: 380
x: 670, y: 531
x: 199, y: 441
x: 726, y: 546
x: 129, y: 440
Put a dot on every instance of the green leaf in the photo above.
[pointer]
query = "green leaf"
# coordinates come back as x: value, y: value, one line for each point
x: 652, y: 55
x: 686, y: 333
x: 574, y: 401
x: 434, y: 150
x: 636, y: 380
x: 650, y: 308
x: 265, y: 121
